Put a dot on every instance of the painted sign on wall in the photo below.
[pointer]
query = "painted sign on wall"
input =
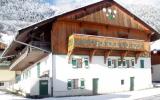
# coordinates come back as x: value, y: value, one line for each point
x: 100, y: 42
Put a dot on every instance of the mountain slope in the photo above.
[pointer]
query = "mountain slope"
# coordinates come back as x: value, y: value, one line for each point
x: 17, y: 14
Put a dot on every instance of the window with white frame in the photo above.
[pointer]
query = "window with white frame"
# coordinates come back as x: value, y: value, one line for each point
x: 124, y: 63
x: 86, y: 62
x: 119, y: 62
x: 80, y: 62
x: 76, y: 84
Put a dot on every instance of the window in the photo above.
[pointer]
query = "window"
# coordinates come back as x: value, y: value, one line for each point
x: 119, y: 62
x: 74, y: 63
x: 132, y: 63
x: 1, y: 83
x: 69, y: 84
x: 124, y: 63
x: 82, y: 84
x: 122, y: 82
x: 142, y: 63
x: 114, y: 63
x: 127, y: 63
x: 38, y: 69
x: 86, y: 62
x: 75, y: 83
x: 109, y: 62
x: 79, y: 63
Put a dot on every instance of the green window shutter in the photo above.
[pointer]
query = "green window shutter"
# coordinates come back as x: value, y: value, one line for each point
x: 86, y: 63
x: 109, y: 62
x: 69, y: 84
x: 74, y: 63
x: 38, y: 69
x: 132, y: 62
x: 124, y: 63
x: 142, y: 63
x: 82, y: 84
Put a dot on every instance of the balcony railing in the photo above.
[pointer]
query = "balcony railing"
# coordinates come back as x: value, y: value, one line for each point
x: 101, y: 42
x: 44, y: 45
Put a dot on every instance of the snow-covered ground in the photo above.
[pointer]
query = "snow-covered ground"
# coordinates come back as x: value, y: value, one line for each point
x: 114, y: 96
x: 6, y: 96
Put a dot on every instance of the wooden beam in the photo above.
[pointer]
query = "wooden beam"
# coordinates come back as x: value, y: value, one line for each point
x: 91, y: 54
x: 106, y: 54
x: 124, y: 54
x: 137, y: 56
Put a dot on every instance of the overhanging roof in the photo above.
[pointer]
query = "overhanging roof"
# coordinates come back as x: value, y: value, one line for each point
x: 21, y: 36
x: 51, y: 20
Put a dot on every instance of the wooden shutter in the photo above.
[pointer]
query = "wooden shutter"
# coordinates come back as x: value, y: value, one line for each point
x: 69, y: 84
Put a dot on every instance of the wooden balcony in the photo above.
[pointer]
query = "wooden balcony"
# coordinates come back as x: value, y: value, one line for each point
x: 108, y: 44
x: 26, y: 58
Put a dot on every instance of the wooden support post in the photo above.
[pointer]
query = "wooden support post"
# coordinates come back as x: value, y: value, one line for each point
x: 124, y: 54
x: 106, y: 54
x: 137, y: 56
x: 91, y: 54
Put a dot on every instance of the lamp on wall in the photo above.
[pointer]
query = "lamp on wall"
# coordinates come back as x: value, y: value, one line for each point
x: 110, y: 13
x: 155, y: 51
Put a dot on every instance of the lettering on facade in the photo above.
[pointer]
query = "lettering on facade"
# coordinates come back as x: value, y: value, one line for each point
x: 108, y: 43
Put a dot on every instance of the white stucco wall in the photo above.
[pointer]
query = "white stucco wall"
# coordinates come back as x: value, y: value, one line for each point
x: 109, y: 78
x: 156, y: 72
x: 30, y: 85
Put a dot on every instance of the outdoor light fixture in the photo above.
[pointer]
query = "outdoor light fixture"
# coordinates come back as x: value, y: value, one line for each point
x: 154, y: 51
x: 110, y: 13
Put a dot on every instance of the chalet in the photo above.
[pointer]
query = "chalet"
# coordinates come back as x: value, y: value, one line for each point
x: 100, y: 48
x: 6, y: 77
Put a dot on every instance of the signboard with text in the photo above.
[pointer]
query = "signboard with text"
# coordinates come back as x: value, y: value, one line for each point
x: 100, y: 42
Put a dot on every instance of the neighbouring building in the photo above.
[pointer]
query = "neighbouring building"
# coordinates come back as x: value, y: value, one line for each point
x: 6, y: 77
x: 100, y: 48
x: 155, y: 61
